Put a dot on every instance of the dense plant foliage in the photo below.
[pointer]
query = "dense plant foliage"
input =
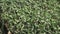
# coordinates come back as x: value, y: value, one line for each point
x: 31, y: 16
